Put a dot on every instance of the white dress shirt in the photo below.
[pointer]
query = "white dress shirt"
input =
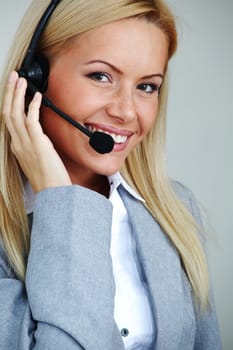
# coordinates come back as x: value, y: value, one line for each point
x: 132, y: 311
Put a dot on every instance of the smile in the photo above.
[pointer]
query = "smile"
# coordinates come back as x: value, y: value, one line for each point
x: 116, y: 137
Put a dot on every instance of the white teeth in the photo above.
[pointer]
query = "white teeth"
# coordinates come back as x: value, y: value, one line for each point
x: 116, y: 138
x: 119, y: 138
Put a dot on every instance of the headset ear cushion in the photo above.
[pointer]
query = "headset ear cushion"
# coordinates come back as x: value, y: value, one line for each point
x: 39, y: 72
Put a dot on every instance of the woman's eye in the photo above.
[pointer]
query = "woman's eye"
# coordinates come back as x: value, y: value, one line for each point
x: 99, y: 76
x: 149, y: 88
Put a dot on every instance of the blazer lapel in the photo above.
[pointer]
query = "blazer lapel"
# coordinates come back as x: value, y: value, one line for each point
x: 162, y: 268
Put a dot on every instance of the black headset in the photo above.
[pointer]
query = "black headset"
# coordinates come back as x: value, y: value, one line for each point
x: 35, y: 69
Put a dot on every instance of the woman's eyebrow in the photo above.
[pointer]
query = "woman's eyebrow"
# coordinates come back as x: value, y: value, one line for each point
x: 108, y: 64
x: 153, y: 76
x: 120, y: 72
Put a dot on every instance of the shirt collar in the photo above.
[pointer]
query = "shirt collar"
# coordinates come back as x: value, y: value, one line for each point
x: 115, y: 181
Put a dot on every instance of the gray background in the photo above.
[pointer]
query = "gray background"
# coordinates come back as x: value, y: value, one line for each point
x: 200, y: 125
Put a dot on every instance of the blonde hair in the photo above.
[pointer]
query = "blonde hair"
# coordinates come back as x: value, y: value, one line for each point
x: 144, y: 168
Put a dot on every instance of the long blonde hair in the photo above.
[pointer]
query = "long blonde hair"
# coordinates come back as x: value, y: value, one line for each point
x: 144, y: 168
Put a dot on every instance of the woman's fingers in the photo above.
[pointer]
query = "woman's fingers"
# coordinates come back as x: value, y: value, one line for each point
x: 18, y: 116
x: 13, y: 110
x: 33, y: 126
x: 33, y: 149
x: 8, y: 101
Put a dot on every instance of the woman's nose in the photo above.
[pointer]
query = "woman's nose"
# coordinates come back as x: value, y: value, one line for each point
x: 122, y: 105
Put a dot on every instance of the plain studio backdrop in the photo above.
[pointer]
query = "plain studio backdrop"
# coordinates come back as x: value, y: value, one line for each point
x: 200, y: 125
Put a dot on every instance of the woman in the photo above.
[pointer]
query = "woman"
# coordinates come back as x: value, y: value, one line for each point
x: 98, y: 251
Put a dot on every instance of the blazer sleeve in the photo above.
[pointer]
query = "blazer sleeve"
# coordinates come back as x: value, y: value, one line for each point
x: 67, y: 300
x: 207, y: 328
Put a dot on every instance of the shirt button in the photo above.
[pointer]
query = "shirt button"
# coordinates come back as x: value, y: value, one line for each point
x: 124, y: 332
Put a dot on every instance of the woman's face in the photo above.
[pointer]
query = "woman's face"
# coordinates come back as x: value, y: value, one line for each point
x: 107, y: 80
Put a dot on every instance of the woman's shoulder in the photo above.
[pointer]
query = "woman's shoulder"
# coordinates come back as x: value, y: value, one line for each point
x: 188, y: 198
x: 5, y: 269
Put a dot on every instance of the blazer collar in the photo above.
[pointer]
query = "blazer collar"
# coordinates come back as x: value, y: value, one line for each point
x: 162, y: 269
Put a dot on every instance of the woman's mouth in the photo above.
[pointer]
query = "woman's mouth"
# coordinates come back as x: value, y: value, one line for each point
x: 118, y: 138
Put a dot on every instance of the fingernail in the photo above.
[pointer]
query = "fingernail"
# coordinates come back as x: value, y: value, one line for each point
x: 12, y: 77
x: 36, y: 96
x: 19, y: 82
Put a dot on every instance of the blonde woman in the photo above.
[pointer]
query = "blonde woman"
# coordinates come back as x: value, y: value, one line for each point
x: 99, y: 250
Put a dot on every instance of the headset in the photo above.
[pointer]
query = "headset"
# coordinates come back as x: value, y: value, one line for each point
x: 35, y: 69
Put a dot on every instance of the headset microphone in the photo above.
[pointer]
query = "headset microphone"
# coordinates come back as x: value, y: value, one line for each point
x: 101, y: 142
x: 35, y: 69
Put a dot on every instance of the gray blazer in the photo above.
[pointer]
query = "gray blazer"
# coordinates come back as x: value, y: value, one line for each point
x: 67, y: 301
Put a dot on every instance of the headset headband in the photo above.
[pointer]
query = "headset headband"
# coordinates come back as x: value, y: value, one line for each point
x: 36, y: 68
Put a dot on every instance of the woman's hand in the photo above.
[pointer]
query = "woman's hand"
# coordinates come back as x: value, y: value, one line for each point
x: 34, y: 151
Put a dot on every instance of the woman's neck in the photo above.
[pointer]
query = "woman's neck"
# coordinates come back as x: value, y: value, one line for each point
x: 94, y: 182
